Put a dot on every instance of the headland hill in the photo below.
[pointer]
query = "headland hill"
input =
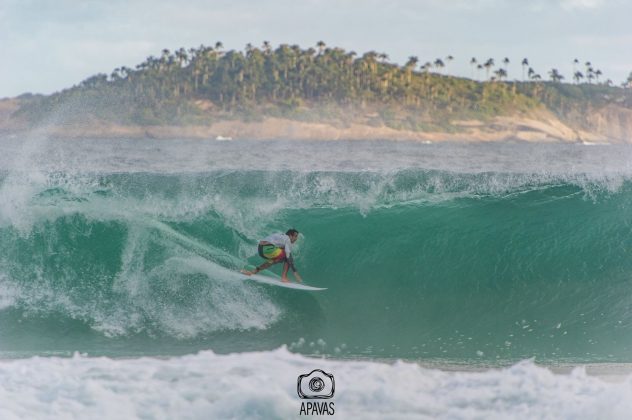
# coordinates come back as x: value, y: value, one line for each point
x: 327, y: 93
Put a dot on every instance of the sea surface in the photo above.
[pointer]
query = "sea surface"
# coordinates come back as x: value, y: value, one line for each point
x: 464, y: 280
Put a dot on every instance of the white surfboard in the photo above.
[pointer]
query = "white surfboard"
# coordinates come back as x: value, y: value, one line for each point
x: 274, y: 282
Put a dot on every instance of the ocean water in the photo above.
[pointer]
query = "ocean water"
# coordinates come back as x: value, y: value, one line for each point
x: 437, y: 257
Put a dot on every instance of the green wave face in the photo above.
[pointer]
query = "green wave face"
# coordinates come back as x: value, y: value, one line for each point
x: 418, y: 264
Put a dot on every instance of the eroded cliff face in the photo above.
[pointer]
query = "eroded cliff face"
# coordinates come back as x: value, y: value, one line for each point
x: 612, y: 122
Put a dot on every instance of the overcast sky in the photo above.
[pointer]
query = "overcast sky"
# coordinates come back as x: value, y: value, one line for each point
x: 48, y: 45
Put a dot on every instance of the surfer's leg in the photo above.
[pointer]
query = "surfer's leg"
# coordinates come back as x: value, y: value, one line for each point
x: 286, y: 267
x: 263, y: 266
x: 259, y: 268
x: 272, y: 254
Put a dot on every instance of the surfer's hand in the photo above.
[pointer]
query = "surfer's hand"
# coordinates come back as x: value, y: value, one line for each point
x: 246, y: 272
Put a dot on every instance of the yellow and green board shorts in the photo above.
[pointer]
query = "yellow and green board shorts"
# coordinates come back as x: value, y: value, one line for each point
x: 271, y: 253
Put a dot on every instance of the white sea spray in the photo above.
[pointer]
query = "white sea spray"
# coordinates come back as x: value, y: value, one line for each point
x: 262, y: 385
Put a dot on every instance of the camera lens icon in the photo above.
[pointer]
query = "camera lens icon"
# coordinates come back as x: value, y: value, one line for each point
x: 316, y: 385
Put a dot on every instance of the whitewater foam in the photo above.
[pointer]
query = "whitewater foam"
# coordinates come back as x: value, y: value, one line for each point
x: 262, y: 385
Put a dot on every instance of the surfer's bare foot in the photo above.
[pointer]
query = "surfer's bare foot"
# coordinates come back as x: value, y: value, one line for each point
x: 246, y: 272
x: 285, y: 280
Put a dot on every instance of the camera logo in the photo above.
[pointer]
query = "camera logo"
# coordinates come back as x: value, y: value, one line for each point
x: 316, y: 385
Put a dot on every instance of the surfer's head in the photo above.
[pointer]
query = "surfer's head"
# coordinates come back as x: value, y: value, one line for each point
x: 293, y: 234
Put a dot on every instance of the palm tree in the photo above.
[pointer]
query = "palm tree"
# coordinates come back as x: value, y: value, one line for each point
x: 589, y: 71
x: 267, y: 48
x: 525, y: 63
x: 577, y: 76
x: 321, y: 47
x: 412, y: 62
x: 590, y: 74
x: 410, y: 67
x: 115, y: 76
x: 449, y: 59
x: 555, y: 75
x: 473, y: 63
x: 165, y: 57
x: 439, y: 64
x: 182, y: 57
x: 488, y: 65
x: 501, y: 73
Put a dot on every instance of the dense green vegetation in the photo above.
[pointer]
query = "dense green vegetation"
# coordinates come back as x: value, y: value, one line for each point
x: 203, y: 85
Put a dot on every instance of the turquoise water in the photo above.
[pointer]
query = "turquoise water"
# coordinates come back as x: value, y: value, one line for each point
x: 449, y: 252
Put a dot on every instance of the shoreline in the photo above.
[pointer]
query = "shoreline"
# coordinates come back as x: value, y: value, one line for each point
x: 497, y: 130
x: 608, y: 125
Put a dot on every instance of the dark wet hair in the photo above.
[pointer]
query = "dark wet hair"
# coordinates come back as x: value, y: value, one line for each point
x: 291, y: 232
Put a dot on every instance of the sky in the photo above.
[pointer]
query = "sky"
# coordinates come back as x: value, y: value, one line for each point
x: 49, y: 45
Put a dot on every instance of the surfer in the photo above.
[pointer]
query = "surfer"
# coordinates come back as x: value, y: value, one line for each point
x: 277, y: 248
